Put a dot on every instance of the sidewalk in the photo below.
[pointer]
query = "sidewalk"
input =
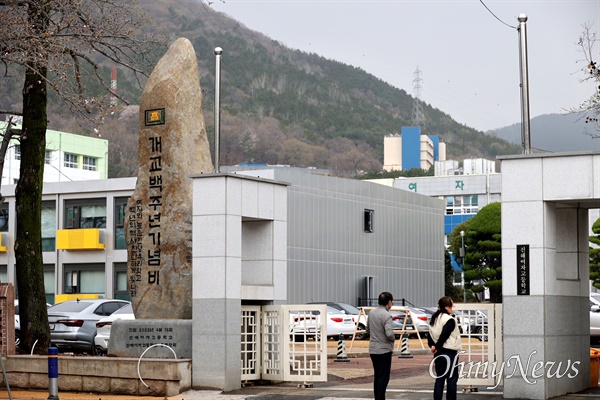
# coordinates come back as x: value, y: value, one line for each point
x: 410, y: 380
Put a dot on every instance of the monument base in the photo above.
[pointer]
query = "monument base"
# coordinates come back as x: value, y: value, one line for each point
x: 97, y: 374
x: 154, y: 338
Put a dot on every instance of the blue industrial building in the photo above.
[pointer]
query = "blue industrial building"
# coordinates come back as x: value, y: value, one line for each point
x: 410, y: 149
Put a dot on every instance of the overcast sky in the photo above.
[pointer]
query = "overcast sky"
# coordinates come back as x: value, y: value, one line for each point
x: 469, y: 60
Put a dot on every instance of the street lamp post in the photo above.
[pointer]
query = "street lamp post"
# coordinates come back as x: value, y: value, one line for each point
x: 462, y: 259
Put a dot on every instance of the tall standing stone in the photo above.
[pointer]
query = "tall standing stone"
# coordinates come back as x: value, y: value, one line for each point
x: 172, y: 146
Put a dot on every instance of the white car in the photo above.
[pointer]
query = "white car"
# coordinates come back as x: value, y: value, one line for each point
x: 104, y: 325
x: 595, y: 315
x: 339, y: 323
x: 18, y: 323
x: 304, y: 324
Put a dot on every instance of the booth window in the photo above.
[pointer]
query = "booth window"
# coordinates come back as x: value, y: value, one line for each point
x: 368, y: 221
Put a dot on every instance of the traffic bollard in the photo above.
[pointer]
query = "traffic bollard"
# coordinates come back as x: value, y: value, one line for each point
x: 53, y: 373
x: 341, y: 351
x: 405, y: 350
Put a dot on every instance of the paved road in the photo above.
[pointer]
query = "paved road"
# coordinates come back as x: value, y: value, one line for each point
x: 351, y: 380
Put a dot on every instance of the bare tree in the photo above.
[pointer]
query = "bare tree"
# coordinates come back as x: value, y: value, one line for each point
x: 58, y: 45
x: 591, y: 107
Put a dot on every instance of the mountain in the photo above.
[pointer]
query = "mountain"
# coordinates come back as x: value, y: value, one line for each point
x: 554, y: 133
x: 278, y: 105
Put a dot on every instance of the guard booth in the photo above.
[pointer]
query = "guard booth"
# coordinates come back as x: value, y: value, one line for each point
x: 545, y: 271
x: 240, y: 257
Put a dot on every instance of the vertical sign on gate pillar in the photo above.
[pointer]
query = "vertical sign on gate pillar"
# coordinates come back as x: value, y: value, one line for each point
x: 523, y: 269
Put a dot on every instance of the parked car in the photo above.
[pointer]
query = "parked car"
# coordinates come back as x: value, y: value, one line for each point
x: 595, y: 316
x: 417, y: 320
x: 478, y: 326
x: 467, y: 318
x: 104, y: 326
x: 350, y: 310
x: 73, y: 322
x: 340, y: 323
x: 305, y: 324
x: 18, y: 323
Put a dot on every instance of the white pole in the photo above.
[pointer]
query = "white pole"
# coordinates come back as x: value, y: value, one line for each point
x: 218, y: 53
x: 525, y: 134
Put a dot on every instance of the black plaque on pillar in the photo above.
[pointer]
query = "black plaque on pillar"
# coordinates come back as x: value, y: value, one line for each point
x: 523, y: 269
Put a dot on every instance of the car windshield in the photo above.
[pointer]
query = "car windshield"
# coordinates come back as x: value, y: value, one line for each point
x: 67, y: 306
x: 349, y: 309
x: 596, y: 297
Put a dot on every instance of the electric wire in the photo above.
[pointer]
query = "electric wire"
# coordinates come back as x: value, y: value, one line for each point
x: 510, y: 26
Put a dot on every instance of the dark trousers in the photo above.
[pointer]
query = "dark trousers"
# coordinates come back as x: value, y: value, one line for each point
x: 382, y: 365
x: 446, y: 372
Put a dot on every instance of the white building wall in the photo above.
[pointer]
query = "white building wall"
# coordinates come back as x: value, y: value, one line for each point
x: 447, y: 167
x: 426, y: 152
x: 55, y: 170
x: 478, y: 166
x: 392, y: 153
x: 442, y: 151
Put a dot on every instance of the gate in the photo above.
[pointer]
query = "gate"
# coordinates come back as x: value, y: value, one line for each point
x: 481, y: 330
x: 284, y: 343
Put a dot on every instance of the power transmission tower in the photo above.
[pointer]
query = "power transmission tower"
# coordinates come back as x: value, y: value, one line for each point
x: 418, y: 117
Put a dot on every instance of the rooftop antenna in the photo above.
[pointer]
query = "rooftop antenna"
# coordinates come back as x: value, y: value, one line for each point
x: 418, y: 117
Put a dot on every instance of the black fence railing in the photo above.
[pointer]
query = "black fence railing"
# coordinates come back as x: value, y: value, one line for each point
x: 373, y: 302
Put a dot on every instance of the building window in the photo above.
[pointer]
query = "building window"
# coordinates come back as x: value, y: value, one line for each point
x: 89, y: 163
x: 470, y: 204
x: 4, y: 218
x: 17, y: 152
x: 49, y: 280
x: 120, y: 206
x: 48, y: 157
x: 368, y: 221
x: 89, y: 213
x: 48, y: 226
x: 87, y: 278
x: 462, y: 204
x: 121, y: 287
x: 70, y: 160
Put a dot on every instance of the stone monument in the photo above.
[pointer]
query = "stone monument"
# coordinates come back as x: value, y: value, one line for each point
x: 172, y: 146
